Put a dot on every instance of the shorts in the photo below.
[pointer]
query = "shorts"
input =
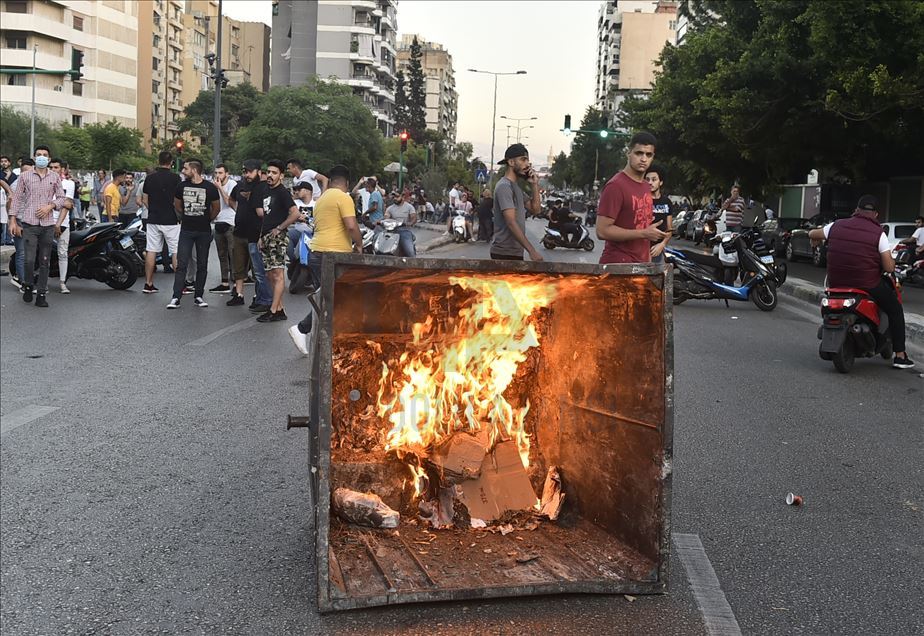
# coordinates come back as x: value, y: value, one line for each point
x: 273, y: 250
x: 240, y: 257
x: 157, y: 234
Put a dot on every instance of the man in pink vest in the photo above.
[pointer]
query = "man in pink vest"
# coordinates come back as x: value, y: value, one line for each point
x: 858, y: 254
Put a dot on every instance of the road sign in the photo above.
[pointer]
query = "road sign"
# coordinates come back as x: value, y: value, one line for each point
x: 481, y: 175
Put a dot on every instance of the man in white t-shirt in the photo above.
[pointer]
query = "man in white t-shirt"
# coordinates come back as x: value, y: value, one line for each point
x: 917, y: 239
x: 63, y: 224
x: 224, y: 226
x: 315, y: 179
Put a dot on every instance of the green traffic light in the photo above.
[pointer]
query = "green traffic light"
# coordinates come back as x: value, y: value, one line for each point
x: 604, y: 133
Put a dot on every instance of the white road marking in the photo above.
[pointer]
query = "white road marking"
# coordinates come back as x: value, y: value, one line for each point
x: 717, y: 613
x: 23, y: 416
x: 238, y: 326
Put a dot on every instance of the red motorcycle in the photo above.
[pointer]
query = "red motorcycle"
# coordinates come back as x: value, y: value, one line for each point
x: 853, y: 327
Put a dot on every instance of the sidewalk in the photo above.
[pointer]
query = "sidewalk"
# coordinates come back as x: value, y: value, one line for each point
x: 810, y: 292
x: 435, y: 241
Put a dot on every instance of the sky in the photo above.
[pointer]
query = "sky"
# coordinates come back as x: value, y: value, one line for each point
x: 554, y: 42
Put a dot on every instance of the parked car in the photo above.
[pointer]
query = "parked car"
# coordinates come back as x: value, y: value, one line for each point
x: 775, y: 233
x: 800, y: 246
x: 896, y: 232
x: 680, y: 222
x: 691, y: 224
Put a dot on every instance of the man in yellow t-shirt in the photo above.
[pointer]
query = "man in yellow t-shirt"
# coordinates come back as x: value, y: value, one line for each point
x: 335, y: 230
x: 112, y: 196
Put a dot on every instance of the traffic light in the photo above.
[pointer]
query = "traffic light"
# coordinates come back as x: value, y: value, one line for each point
x: 604, y: 134
x: 404, y: 137
x: 179, y: 146
x: 76, y: 64
x: 567, y: 128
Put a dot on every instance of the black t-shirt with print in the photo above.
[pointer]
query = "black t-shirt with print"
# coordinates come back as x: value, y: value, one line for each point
x: 662, y: 207
x: 276, y: 204
x: 249, y: 195
x: 196, y: 200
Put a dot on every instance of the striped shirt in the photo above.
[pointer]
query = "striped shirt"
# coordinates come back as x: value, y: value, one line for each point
x: 35, y: 191
x: 734, y: 211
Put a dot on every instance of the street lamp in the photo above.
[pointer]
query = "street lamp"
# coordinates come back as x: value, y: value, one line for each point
x: 494, y: 116
x: 519, y: 126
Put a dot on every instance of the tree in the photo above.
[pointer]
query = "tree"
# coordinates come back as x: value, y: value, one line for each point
x: 73, y: 145
x: 14, y: 132
x: 434, y: 182
x: 561, y: 170
x: 402, y: 114
x: 593, y: 156
x: 416, y: 94
x: 239, y: 106
x: 112, y: 145
x: 322, y: 123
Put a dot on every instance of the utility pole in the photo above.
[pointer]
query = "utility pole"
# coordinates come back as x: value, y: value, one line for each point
x: 219, y: 78
x: 494, y: 116
x: 32, y: 123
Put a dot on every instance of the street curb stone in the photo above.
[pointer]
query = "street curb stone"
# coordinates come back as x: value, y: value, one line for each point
x: 914, y: 324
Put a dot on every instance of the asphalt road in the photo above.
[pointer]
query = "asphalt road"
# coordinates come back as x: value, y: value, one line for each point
x: 158, y: 491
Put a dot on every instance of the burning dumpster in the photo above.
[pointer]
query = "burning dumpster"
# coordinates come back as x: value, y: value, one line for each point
x: 482, y: 429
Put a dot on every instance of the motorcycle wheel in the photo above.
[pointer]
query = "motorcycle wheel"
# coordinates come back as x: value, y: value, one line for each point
x: 298, y: 283
x: 843, y: 359
x: 781, y: 272
x: 127, y: 277
x: 548, y: 244
x: 588, y: 245
x: 764, y: 296
x: 886, y: 352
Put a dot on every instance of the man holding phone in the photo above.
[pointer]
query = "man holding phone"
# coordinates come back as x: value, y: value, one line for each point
x: 510, y: 206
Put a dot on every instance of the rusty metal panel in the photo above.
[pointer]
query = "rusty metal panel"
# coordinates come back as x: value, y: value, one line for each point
x: 394, y: 571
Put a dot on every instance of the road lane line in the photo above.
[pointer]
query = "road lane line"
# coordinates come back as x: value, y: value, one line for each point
x: 238, y: 326
x: 717, y: 613
x: 23, y: 416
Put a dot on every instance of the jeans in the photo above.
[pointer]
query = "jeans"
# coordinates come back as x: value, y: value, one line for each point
x: 314, y: 265
x: 295, y: 234
x: 42, y: 239
x: 224, y: 247
x: 885, y: 297
x: 202, y: 241
x: 658, y: 259
x: 20, y: 247
x: 406, y: 245
x: 261, y: 291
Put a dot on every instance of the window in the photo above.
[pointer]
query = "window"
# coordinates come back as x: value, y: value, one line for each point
x: 16, y: 41
x: 235, y: 50
x: 76, y: 121
x: 155, y: 86
x: 154, y: 63
x: 17, y: 6
x: 78, y: 23
x: 672, y: 25
x: 156, y: 41
x: 199, y: 39
x: 156, y: 110
x: 17, y: 80
x: 77, y: 89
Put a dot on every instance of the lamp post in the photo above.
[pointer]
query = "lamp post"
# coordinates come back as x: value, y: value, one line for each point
x: 219, y: 77
x: 494, y: 116
x: 32, y: 123
x: 519, y: 126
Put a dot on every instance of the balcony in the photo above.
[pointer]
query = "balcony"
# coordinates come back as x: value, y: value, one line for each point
x: 177, y: 64
x: 174, y: 105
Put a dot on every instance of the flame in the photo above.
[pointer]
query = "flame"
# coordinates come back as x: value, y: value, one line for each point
x: 455, y: 380
x: 421, y: 481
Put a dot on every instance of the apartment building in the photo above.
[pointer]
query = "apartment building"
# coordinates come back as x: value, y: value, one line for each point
x: 440, y: 83
x: 160, y: 40
x: 105, y: 31
x: 348, y: 41
x: 630, y: 37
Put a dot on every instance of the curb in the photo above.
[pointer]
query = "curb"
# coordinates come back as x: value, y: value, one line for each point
x: 439, y: 241
x: 803, y: 290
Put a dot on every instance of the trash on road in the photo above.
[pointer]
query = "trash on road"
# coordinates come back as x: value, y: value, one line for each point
x: 793, y: 500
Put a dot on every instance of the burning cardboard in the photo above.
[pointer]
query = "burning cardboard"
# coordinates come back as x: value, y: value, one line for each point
x: 461, y: 456
x: 552, y: 495
x: 502, y: 485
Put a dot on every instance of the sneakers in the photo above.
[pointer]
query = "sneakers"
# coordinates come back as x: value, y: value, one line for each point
x: 27, y: 293
x: 149, y: 289
x: 189, y: 289
x: 168, y: 269
x: 300, y: 339
x: 902, y: 363
x: 249, y: 281
x: 273, y: 316
x: 259, y: 309
x: 174, y: 303
x: 235, y: 301
x: 220, y: 289
x: 198, y: 302
x: 64, y: 289
x: 40, y: 301
x: 15, y: 282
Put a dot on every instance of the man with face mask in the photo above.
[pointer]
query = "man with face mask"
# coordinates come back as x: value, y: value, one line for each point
x: 39, y: 199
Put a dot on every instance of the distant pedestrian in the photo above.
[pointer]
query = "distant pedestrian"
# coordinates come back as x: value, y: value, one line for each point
x: 130, y: 205
x: 625, y: 219
x: 304, y: 201
x: 510, y: 207
x: 376, y: 202
x: 734, y: 210
x: 63, y: 223
x: 663, y: 211
x: 277, y: 211
x: 300, y: 174
x: 99, y: 184
x: 197, y: 203
x: 163, y: 227
x: 224, y: 226
x: 14, y: 218
x: 85, y: 191
x: 244, y: 238
x: 112, y: 196
x: 38, y: 202
x: 486, y: 216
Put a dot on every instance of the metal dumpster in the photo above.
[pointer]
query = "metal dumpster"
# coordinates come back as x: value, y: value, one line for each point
x: 555, y: 369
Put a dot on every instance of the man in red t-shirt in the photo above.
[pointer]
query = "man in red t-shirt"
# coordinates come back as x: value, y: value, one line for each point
x: 625, y: 217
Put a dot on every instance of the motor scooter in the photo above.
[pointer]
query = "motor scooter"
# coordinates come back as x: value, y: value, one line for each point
x: 554, y: 238
x: 388, y: 241
x: 909, y: 268
x: 459, y: 227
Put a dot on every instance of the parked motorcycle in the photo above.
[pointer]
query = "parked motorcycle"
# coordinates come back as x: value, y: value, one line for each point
x: 102, y: 252
x: 909, y: 269
x: 754, y: 240
x: 853, y: 327
x: 459, y: 228
x: 698, y: 276
x: 553, y: 238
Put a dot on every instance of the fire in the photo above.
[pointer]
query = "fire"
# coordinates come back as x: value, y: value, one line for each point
x: 455, y: 381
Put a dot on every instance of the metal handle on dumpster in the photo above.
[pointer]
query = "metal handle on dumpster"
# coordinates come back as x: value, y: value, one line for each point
x: 297, y: 421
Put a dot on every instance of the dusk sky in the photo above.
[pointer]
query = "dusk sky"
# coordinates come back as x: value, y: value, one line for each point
x: 554, y: 42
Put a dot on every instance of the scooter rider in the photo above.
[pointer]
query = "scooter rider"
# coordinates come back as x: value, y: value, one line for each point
x: 402, y: 210
x: 858, y: 254
x: 562, y: 219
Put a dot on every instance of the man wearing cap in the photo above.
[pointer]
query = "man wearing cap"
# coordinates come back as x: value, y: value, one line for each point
x: 510, y: 207
x: 244, y: 252
x: 858, y: 254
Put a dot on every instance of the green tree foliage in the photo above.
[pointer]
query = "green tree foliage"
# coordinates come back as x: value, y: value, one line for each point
x: 592, y: 154
x: 112, y: 145
x: 401, y: 112
x: 561, y: 170
x: 14, y: 133
x: 239, y: 106
x: 434, y: 183
x: 416, y: 94
x: 415, y: 158
x: 73, y: 145
x: 762, y: 92
x: 322, y: 123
